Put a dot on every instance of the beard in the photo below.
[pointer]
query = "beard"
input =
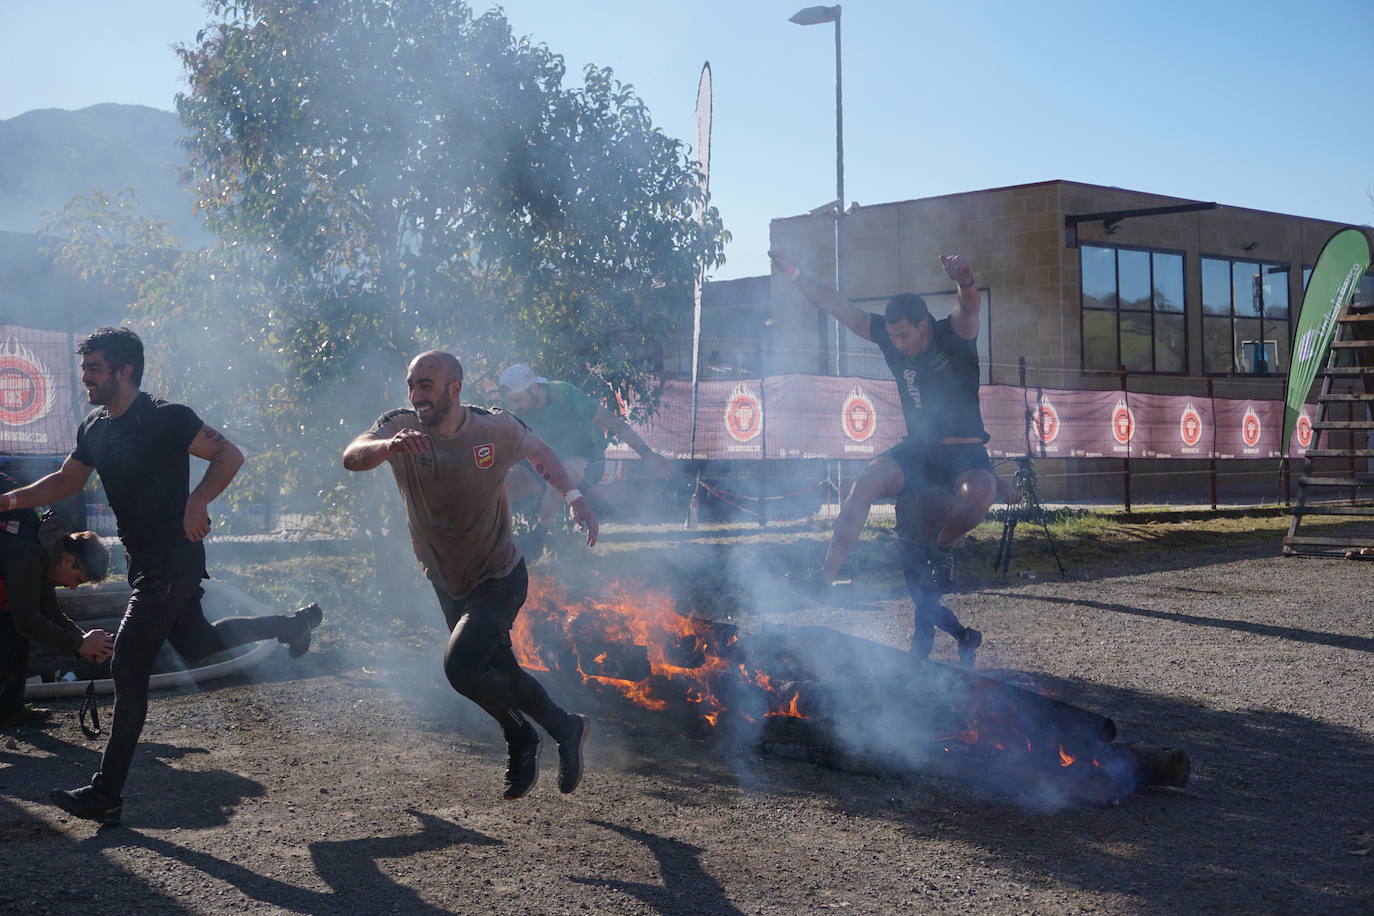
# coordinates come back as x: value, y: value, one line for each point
x: 102, y: 393
x: 438, y: 409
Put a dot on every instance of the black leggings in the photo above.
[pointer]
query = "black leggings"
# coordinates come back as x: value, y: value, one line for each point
x: 14, y: 666
x: 164, y: 606
x: 930, y: 613
x: 481, y: 665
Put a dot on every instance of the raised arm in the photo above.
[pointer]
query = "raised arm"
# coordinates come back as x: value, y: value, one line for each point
x: 964, y: 319
x: 823, y: 297
x: 61, y: 484
x: 369, y: 450
x: 550, y: 469
x: 617, y: 427
x: 225, y: 460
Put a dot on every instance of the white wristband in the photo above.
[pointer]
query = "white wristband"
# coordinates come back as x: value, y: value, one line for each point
x: 573, y: 495
x: 7, y: 501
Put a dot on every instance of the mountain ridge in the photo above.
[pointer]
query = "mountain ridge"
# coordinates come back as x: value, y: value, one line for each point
x: 49, y: 155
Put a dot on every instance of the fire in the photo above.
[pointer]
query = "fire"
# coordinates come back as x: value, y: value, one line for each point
x: 995, y: 725
x: 634, y: 641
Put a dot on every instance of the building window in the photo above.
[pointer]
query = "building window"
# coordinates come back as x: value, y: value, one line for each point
x: 1133, y: 309
x: 1245, y: 316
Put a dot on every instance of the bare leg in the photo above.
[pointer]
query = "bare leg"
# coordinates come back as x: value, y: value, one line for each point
x: 552, y: 502
x: 881, y: 479
x: 974, y: 493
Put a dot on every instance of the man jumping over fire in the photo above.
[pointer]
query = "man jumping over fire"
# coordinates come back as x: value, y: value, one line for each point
x: 450, y: 461
x: 141, y: 447
x: 941, y: 464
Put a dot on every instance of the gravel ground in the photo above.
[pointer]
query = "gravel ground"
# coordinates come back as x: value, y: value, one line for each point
x: 340, y: 784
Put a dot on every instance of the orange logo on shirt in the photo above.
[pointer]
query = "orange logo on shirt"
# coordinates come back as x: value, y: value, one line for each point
x: 484, y: 455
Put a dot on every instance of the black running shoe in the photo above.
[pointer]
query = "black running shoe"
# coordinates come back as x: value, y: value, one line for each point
x: 968, y: 647
x: 27, y: 715
x: 306, y: 620
x: 570, y: 755
x: 90, y: 803
x: 522, y: 772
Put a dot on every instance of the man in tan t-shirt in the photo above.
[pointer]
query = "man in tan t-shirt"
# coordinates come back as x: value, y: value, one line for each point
x: 450, y: 462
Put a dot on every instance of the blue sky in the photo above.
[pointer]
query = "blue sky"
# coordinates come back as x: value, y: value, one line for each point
x: 1256, y: 104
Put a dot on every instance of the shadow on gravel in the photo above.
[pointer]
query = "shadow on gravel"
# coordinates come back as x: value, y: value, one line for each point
x: 349, y: 867
x: 1317, y: 637
x: 1266, y: 825
x: 687, y: 889
x: 28, y: 882
x: 161, y: 795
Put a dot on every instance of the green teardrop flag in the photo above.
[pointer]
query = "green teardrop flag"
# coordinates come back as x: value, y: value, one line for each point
x: 1343, y: 261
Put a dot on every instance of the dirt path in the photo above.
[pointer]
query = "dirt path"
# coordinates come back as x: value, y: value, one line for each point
x: 341, y: 784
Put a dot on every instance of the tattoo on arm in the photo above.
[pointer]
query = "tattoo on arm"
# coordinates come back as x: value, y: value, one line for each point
x: 212, y: 434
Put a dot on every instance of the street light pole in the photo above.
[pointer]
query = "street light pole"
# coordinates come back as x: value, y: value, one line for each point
x: 815, y: 15
x: 840, y: 360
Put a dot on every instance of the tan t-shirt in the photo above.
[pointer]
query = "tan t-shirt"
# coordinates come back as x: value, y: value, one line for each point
x: 455, y: 496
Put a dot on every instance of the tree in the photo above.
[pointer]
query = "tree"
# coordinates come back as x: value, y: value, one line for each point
x: 424, y: 178
x: 384, y: 176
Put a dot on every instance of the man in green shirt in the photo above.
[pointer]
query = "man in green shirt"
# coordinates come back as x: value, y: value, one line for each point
x: 574, y: 425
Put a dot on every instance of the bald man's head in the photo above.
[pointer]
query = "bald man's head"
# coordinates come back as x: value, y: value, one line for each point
x: 434, y: 379
x: 439, y: 360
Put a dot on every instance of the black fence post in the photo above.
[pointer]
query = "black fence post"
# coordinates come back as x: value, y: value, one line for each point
x: 763, y: 438
x: 1126, y: 459
x: 1212, y: 452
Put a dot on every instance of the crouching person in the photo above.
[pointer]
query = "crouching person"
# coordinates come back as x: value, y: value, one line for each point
x: 31, y: 571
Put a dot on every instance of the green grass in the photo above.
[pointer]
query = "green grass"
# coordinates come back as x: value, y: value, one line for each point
x: 694, y: 565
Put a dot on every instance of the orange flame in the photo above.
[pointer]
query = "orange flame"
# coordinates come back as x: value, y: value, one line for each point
x: 1065, y: 759
x: 687, y: 657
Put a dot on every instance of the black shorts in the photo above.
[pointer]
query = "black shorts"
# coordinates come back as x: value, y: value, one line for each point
x: 494, y: 602
x: 925, y: 466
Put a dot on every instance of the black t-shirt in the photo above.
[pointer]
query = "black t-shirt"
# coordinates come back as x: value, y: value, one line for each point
x: 142, y: 461
x: 938, y: 387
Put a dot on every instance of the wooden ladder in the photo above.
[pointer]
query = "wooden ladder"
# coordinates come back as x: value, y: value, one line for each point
x: 1350, y: 364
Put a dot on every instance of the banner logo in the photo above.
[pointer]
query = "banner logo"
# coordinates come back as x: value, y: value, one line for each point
x: 858, y: 417
x: 743, y: 414
x: 1123, y: 423
x: 484, y: 456
x: 1190, y: 425
x: 26, y: 387
x: 1304, y: 429
x: 1307, y: 346
x: 1250, y: 427
x: 1047, y: 423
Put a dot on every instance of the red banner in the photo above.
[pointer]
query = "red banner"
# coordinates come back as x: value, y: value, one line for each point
x: 807, y: 416
x: 36, y: 369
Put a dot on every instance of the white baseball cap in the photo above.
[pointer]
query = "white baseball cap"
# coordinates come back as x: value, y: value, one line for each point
x: 519, y: 378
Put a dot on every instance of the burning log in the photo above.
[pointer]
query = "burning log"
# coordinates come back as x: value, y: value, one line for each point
x: 814, y: 694
x: 1160, y: 766
x: 703, y: 638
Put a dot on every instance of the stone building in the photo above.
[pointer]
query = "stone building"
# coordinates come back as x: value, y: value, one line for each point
x: 1078, y: 283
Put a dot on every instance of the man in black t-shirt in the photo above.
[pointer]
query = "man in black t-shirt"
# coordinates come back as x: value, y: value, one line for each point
x: 140, y: 446
x: 941, y: 463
